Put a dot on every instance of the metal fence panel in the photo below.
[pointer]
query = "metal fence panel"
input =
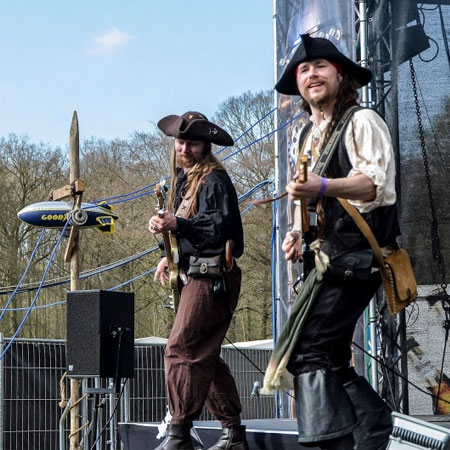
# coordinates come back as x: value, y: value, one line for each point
x: 33, y: 385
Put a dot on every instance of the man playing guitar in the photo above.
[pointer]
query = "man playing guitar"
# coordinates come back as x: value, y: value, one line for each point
x: 203, y: 215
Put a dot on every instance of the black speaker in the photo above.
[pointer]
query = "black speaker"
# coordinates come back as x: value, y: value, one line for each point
x: 100, y: 334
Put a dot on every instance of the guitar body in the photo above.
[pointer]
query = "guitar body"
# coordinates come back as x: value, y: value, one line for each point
x: 173, y: 271
x: 171, y: 247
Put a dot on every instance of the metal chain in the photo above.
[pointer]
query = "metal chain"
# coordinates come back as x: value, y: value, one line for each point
x: 435, y: 240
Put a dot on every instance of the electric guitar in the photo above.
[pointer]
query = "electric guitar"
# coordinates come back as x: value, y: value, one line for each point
x: 309, y: 223
x: 171, y: 247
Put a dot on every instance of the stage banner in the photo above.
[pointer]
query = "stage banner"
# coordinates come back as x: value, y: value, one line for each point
x: 334, y: 20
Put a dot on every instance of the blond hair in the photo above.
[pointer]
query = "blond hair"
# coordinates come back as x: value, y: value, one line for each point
x: 195, y: 177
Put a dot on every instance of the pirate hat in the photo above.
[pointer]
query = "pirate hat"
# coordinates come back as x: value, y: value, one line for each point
x: 318, y: 48
x: 194, y: 126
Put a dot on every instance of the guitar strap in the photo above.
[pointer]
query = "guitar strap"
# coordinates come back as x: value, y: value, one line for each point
x: 188, y: 199
x: 327, y: 152
x: 185, y: 206
x: 325, y: 156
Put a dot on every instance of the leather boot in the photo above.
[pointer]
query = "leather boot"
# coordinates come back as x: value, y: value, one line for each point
x: 374, y: 416
x: 178, y: 438
x: 324, y: 411
x: 232, y: 438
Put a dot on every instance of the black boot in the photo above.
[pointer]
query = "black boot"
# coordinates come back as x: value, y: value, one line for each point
x: 374, y: 416
x: 178, y: 438
x: 231, y: 438
x: 324, y: 411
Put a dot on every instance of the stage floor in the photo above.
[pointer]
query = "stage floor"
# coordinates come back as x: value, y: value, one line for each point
x: 270, y: 434
x: 262, y: 434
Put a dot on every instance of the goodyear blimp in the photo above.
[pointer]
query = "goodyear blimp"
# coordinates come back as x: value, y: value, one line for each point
x: 55, y: 215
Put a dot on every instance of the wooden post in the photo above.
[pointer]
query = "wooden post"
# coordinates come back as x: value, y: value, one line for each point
x: 74, y: 145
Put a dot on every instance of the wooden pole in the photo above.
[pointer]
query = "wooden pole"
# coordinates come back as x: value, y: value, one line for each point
x: 74, y: 145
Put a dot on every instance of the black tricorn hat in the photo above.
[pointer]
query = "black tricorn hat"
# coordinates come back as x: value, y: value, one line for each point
x: 194, y: 126
x: 318, y: 48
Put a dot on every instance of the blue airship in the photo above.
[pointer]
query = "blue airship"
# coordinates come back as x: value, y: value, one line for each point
x: 55, y: 214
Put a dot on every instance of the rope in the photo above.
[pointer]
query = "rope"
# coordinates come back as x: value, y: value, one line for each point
x: 124, y: 197
x: 122, y: 262
x: 83, y: 275
x: 62, y: 388
x: 24, y: 274
x: 108, y: 199
x: 31, y: 307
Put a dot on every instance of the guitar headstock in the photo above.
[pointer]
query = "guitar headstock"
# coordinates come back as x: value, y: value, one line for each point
x: 160, y: 190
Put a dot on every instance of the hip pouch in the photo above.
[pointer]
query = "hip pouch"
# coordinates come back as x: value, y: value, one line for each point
x: 355, y: 265
x: 205, y: 266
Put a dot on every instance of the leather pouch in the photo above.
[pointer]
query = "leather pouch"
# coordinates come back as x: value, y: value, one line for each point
x: 399, y: 281
x: 355, y: 265
x: 207, y: 267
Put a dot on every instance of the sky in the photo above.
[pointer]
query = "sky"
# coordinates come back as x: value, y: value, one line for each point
x: 123, y: 65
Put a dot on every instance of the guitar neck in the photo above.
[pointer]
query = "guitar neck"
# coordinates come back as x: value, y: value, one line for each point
x: 303, y: 179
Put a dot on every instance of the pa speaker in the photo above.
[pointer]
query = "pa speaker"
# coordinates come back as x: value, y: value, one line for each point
x: 100, y: 334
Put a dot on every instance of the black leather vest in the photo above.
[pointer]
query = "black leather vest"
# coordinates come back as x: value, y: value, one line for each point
x: 341, y: 234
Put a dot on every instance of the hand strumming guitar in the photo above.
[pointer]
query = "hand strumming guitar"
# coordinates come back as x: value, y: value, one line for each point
x: 292, y: 246
x: 162, y: 270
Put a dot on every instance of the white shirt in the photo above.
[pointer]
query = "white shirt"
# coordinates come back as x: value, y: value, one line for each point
x: 369, y: 149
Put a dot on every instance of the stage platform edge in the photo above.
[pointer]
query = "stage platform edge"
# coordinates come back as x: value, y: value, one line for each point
x: 262, y: 434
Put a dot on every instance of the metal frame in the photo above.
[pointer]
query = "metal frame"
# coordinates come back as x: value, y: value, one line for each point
x: 374, y: 29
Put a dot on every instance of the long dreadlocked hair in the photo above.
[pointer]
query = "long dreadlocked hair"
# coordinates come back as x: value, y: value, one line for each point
x: 347, y: 94
x: 195, y: 176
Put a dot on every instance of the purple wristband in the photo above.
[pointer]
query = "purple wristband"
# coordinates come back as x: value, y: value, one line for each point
x: 323, y: 187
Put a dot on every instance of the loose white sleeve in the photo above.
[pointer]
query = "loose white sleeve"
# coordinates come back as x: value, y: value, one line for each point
x: 369, y: 148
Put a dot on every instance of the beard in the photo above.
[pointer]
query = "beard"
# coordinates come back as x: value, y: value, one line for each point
x: 320, y: 102
x: 328, y: 95
x: 185, y: 161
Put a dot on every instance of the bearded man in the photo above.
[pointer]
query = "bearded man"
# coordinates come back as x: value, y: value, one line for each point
x: 203, y: 216
x: 336, y: 408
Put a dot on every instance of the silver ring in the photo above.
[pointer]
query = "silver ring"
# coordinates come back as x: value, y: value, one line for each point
x: 154, y: 228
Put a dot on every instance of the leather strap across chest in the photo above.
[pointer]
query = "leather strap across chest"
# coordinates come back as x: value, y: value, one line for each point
x: 327, y: 152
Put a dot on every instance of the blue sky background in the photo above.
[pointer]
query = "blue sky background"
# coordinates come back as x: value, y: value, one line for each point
x: 124, y: 65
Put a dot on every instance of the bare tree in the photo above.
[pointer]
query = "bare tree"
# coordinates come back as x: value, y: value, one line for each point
x: 247, y: 117
x: 28, y: 172
x: 124, y: 173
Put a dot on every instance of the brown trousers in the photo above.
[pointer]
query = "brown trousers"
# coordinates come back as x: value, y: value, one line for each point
x: 195, y: 373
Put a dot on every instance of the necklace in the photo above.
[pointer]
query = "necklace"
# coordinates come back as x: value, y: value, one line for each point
x: 316, y: 136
